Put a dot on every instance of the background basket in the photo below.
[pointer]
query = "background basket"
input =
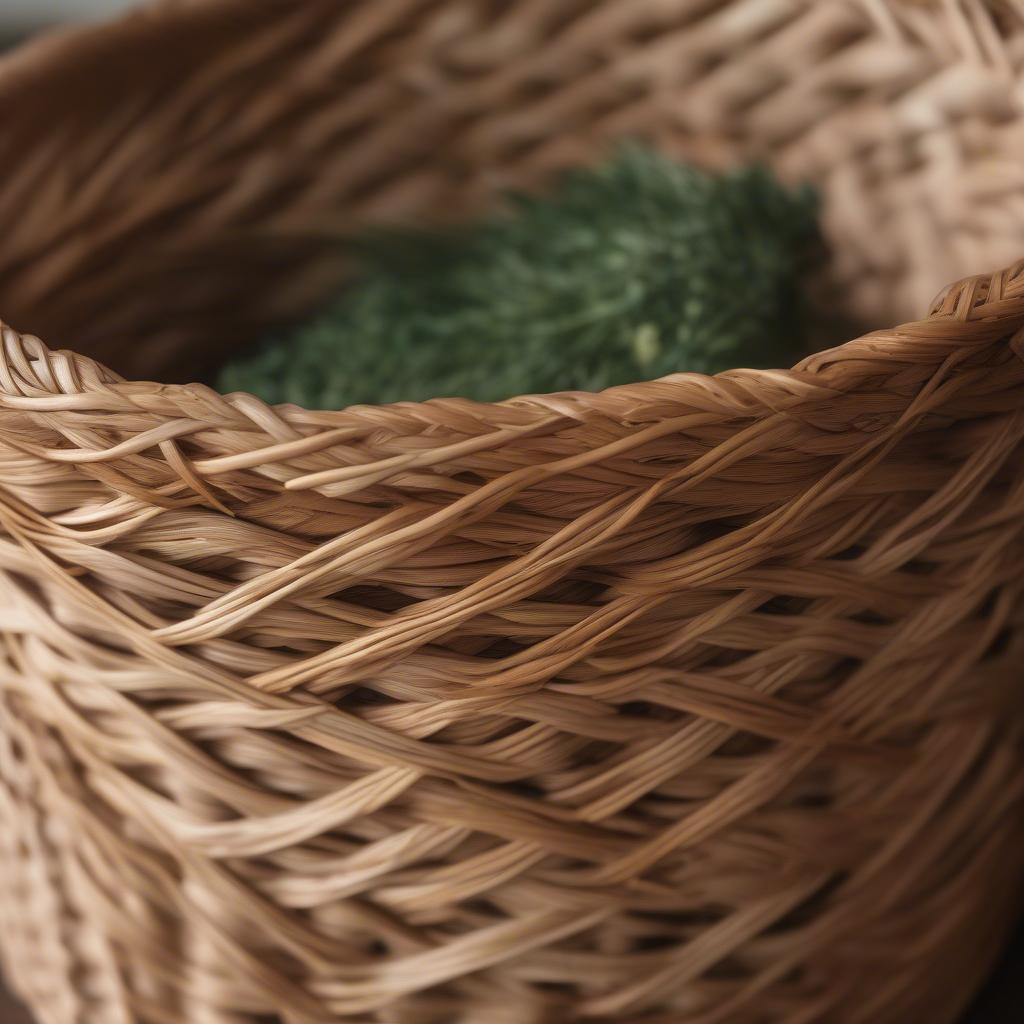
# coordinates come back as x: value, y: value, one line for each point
x: 694, y: 701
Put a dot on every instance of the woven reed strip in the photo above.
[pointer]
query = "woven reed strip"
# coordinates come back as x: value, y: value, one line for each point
x: 693, y: 702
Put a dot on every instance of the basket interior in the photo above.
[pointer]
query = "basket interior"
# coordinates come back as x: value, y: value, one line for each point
x: 176, y: 180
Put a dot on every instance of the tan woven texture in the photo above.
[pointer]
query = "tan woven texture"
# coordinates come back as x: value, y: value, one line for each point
x: 694, y: 702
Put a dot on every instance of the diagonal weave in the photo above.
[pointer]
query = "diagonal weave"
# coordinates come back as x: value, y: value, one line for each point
x: 694, y: 702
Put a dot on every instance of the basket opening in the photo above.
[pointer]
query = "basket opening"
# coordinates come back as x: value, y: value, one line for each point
x: 186, y: 190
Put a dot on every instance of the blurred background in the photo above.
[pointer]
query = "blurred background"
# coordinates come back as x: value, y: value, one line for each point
x: 1002, y: 1002
x: 23, y: 14
x: 19, y: 18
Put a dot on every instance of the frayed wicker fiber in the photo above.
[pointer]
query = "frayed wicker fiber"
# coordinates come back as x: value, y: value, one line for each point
x: 693, y: 702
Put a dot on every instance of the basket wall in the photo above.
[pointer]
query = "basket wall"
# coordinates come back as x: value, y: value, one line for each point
x: 694, y: 702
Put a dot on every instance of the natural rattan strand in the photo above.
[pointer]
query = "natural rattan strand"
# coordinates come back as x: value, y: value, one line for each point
x: 694, y: 702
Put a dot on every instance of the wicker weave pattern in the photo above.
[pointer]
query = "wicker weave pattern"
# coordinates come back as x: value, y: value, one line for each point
x: 694, y: 702
x: 673, y: 703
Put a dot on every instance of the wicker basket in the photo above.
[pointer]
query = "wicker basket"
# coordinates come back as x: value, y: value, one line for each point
x: 693, y: 702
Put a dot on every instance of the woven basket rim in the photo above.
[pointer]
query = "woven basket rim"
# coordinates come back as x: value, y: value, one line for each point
x: 972, y: 311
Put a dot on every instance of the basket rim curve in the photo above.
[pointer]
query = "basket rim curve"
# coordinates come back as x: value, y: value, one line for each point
x: 971, y: 311
x: 55, y: 392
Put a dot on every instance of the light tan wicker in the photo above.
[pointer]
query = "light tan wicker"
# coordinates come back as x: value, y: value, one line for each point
x: 693, y: 702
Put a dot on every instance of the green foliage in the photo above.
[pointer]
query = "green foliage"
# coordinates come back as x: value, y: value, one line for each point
x: 635, y: 269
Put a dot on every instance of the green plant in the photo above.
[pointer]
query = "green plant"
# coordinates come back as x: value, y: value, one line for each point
x: 636, y: 268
